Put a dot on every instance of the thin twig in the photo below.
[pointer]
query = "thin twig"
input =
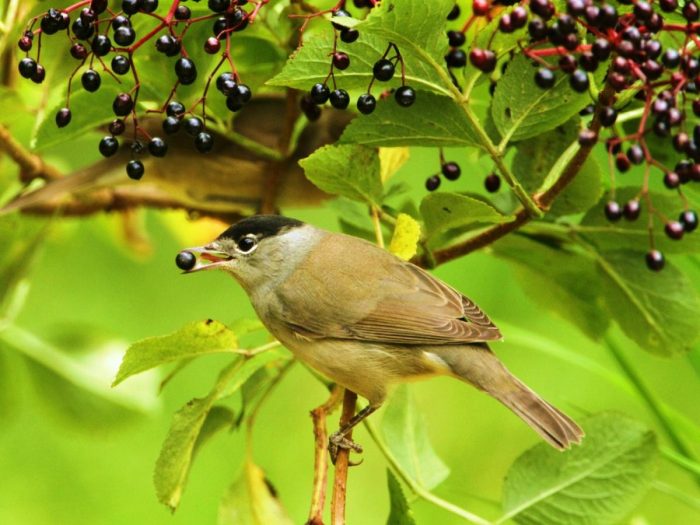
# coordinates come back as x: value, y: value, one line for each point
x: 318, y: 416
x: 31, y: 166
x: 522, y: 216
x: 342, y: 463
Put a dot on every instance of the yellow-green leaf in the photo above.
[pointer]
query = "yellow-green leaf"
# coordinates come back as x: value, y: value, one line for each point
x: 404, y: 242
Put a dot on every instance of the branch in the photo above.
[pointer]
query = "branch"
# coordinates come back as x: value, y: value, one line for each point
x: 31, y: 166
x: 522, y: 216
x: 318, y: 415
x: 342, y: 463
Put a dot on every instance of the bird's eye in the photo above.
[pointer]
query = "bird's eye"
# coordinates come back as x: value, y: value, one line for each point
x: 246, y: 244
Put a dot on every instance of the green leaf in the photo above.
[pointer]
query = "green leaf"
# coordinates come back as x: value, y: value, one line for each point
x: 634, y: 234
x: 659, y: 311
x: 445, y: 211
x: 195, y: 339
x: 346, y: 170
x: 400, y: 513
x: 522, y: 110
x: 89, y: 110
x: 176, y: 454
x: 433, y: 120
x: 598, y: 482
x: 535, y: 157
x: 558, y: 279
x: 20, y: 238
x: 191, y: 426
x: 251, y: 500
x: 404, y: 430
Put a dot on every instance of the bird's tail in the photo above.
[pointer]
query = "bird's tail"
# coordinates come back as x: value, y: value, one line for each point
x: 477, y: 365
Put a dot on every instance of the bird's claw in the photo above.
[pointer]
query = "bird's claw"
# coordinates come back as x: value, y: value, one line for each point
x: 338, y: 441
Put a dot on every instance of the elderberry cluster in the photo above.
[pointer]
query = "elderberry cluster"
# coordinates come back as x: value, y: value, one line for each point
x: 648, y: 49
x: 96, y: 31
x: 382, y: 71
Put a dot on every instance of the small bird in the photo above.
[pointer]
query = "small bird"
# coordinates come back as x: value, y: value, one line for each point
x: 367, y: 319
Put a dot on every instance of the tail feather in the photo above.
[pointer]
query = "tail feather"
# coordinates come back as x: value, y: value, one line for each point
x: 478, y: 366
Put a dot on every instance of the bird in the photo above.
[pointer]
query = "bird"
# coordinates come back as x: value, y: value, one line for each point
x: 367, y: 319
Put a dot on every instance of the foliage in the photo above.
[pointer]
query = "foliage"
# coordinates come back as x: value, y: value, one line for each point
x: 227, y: 439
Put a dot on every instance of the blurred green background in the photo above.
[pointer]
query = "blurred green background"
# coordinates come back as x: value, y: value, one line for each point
x: 71, y: 459
x: 82, y: 453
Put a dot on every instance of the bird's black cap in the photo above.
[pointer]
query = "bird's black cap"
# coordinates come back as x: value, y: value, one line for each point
x: 261, y: 226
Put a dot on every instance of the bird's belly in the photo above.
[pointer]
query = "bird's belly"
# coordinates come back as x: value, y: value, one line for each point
x: 365, y: 368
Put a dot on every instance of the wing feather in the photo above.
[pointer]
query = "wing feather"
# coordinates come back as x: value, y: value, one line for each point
x: 384, y: 298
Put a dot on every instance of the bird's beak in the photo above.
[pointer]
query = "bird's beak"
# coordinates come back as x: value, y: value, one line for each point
x: 202, y: 258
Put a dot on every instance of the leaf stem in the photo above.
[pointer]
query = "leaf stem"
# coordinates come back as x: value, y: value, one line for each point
x: 681, y: 461
x: 651, y: 400
x: 679, y: 495
x: 496, y: 155
x: 418, y: 489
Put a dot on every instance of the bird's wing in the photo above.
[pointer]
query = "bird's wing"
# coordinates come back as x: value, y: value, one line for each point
x: 380, y: 299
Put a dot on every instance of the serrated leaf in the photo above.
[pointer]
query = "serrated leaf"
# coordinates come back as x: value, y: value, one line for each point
x: 399, y: 513
x: 560, y: 280
x: 416, y: 27
x: 521, y: 110
x: 598, y: 482
x: 444, y: 211
x: 634, y: 235
x: 193, y: 340
x: 251, y: 500
x: 190, y: 426
x: 346, y: 170
x: 89, y: 110
x: 582, y: 193
x: 176, y: 454
x: 658, y: 310
x: 404, y: 430
x: 432, y: 120
x: 404, y: 242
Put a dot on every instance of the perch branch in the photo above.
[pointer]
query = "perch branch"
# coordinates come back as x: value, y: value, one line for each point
x: 318, y: 416
x: 342, y: 463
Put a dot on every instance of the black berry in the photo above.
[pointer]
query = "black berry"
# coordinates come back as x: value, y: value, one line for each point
x: 339, y: 99
x: 123, y: 105
x: 366, y: 103
x: 203, y: 142
x: 135, y: 169
x: 91, y: 80
x: 108, y: 146
x: 432, y: 183
x: 185, y: 260
x: 405, y: 96
x: 319, y: 93
x: 655, y: 260
x: 185, y: 70
x: 451, y: 170
x: 63, y: 117
x: 383, y: 70
x: 157, y: 147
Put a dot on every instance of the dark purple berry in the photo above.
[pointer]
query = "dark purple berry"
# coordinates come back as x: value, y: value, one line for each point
x: 366, y: 103
x: 492, y: 183
x: 339, y: 99
x: 125, y: 36
x: 123, y: 105
x: 655, y: 260
x: 101, y: 45
x: 319, y: 93
x: 674, y: 230
x: 632, y: 210
x: 121, y: 65
x: 544, y: 78
x: 157, y: 147
x: 185, y: 260
x: 636, y: 154
x: 27, y: 67
x: 108, y: 146
x: 432, y: 183
x: 587, y: 137
x: 175, y: 109
x: 454, y: 13
x: 672, y: 180
x: 193, y: 126
x: 341, y: 60
x: 451, y: 170
x: 212, y: 45
x: 579, y: 81
x: 456, y: 58
x: 383, y: 70
x: 185, y: 70
x: 91, y: 80
x: 203, y: 142
x: 689, y: 220
x: 613, y: 211
x: 483, y: 59
x: 39, y: 75
x: 456, y: 38
x: 134, y: 169
x: 349, y: 35
x: 405, y: 96
x: 117, y: 127
x: 63, y: 117
x: 171, y: 125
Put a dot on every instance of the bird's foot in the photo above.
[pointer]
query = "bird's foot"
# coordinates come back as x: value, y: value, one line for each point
x: 338, y: 441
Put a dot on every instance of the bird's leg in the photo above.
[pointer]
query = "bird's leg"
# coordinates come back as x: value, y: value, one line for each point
x: 337, y: 440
